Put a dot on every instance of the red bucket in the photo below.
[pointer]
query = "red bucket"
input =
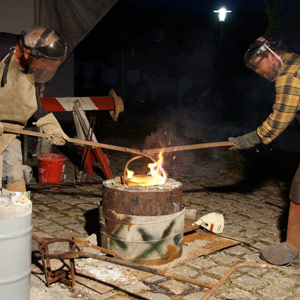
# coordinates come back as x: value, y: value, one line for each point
x: 51, y: 167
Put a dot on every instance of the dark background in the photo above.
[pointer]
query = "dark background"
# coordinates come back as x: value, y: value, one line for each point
x: 180, y: 71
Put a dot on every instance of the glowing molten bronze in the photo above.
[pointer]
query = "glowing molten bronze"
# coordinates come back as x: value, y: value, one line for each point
x: 157, y: 176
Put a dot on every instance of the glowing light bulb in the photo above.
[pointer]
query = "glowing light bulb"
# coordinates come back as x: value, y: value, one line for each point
x: 222, y: 13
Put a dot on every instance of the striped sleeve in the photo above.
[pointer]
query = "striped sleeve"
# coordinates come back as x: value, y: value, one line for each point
x: 284, y: 109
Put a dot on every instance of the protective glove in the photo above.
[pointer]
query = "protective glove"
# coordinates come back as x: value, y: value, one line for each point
x: 1, y: 128
x: 245, y: 141
x: 50, y: 126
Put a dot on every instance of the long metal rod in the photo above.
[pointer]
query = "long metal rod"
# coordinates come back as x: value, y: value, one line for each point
x: 212, y: 286
x: 189, y: 147
x: 92, y: 282
x: 37, y: 186
x: 124, y: 149
x: 75, y: 141
x: 88, y: 244
x: 117, y: 261
x: 231, y: 270
x: 137, y: 267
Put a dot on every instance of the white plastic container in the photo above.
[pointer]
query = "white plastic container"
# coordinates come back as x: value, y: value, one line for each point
x: 15, y: 245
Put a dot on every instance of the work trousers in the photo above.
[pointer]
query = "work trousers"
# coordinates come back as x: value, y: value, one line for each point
x: 12, y: 169
x: 295, y: 187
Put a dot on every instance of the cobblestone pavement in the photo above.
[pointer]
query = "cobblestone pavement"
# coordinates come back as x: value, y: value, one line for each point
x: 255, y: 216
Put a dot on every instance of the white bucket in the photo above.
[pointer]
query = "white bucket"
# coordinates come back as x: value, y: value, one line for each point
x: 27, y: 173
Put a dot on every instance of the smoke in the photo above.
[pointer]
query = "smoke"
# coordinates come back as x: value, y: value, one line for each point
x: 167, y: 135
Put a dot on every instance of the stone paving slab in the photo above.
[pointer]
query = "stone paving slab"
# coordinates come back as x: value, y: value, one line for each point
x: 249, y: 217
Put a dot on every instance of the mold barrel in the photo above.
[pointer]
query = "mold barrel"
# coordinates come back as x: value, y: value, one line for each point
x: 142, y: 224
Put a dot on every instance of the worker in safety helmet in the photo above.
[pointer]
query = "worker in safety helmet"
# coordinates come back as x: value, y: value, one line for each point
x: 27, y: 61
x: 270, y: 59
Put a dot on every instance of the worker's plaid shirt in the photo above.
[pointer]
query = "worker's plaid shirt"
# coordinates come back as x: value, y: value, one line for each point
x: 287, y: 103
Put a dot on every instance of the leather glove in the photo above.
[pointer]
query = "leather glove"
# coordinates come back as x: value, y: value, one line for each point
x: 50, y: 126
x: 245, y: 141
x: 1, y: 128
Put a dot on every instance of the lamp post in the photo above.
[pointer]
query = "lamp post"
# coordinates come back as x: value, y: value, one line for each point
x: 222, y: 12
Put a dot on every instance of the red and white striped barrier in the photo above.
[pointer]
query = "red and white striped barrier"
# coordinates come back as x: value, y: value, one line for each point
x: 112, y: 102
x: 87, y: 103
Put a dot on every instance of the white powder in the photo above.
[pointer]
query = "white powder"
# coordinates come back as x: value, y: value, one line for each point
x: 109, y: 274
x: 105, y: 271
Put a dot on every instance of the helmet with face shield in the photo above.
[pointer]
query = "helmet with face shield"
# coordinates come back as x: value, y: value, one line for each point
x: 43, y: 43
x: 47, y: 49
x: 260, y: 49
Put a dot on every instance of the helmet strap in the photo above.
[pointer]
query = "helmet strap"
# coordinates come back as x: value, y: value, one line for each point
x: 6, y: 62
x: 42, y: 37
x: 276, y: 55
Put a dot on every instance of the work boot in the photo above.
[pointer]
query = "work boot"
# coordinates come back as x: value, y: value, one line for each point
x: 285, y: 253
x: 18, y: 186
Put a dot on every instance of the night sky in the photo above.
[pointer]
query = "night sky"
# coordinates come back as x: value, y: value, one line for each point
x: 203, y: 6
x: 207, y: 6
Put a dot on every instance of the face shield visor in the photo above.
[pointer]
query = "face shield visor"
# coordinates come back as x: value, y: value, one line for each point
x: 255, y: 55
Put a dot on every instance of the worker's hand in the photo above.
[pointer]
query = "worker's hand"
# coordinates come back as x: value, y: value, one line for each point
x: 246, y: 141
x: 1, y: 128
x: 50, y: 126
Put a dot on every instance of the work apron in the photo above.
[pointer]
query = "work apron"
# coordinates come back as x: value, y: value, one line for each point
x: 17, y: 102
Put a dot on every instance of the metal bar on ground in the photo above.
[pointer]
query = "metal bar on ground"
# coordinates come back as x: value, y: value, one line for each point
x: 114, y: 260
x: 231, y: 270
x: 138, y: 267
x: 88, y: 244
x: 212, y: 286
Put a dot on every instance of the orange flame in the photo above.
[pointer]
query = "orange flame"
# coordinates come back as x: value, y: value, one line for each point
x: 158, y: 175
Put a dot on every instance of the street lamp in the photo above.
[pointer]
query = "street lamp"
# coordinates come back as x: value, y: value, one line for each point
x: 222, y: 12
